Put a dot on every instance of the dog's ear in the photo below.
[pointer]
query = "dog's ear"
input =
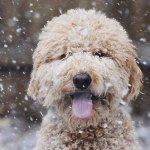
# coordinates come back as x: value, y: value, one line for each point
x: 135, y: 80
x: 128, y: 62
x: 33, y: 88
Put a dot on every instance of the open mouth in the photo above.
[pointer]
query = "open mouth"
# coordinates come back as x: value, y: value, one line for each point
x: 82, y: 104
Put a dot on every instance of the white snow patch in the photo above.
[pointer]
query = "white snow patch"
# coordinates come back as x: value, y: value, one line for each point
x: 144, y: 63
x: 137, y: 62
x: 5, y: 45
x: 10, y: 36
x: 31, y: 119
x: 25, y: 109
x: 80, y: 131
x: 41, y: 114
x: 60, y: 11
x: 2, y: 31
x: 129, y: 85
x: 123, y: 102
x: 104, y: 125
x: 18, y: 30
x: 14, y: 61
x: 148, y: 28
x: 26, y: 98
x: 148, y: 114
x: 143, y: 134
x: 1, y: 87
x: 31, y: 4
x: 31, y: 11
x: 15, y: 19
x: 119, y: 122
x: 142, y: 39
x: 125, y: 92
x: 108, y: 85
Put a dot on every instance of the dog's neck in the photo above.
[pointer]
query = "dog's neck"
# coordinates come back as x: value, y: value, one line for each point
x: 112, y: 129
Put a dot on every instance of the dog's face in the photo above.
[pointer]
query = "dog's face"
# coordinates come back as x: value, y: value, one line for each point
x: 84, y: 67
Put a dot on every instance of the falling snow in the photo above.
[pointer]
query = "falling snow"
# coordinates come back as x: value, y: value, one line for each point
x: 104, y: 125
x: 119, y: 122
x: 142, y: 39
x: 123, y: 102
x: 19, y: 28
x: 144, y: 63
x: 5, y: 45
x: 14, y: 61
x: 31, y: 4
x: 1, y: 87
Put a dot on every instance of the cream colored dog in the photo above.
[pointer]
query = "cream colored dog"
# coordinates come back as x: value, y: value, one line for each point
x: 84, y: 67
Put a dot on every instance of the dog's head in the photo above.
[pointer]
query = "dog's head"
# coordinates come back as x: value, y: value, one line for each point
x: 84, y: 65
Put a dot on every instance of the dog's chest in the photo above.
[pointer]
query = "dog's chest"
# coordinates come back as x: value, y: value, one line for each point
x: 94, y: 138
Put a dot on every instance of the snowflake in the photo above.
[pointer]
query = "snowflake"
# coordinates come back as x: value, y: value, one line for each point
x: 5, y: 45
x: 142, y: 39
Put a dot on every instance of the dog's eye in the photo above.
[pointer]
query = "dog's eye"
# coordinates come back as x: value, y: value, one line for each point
x: 99, y: 54
x: 62, y: 56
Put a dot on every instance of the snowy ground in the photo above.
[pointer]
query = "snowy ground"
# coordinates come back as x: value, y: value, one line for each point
x: 144, y: 137
x: 15, y: 134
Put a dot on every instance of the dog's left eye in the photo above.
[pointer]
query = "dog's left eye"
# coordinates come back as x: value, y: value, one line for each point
x: 62, y: 56
x: 98, y: 54
x: 65, y: 55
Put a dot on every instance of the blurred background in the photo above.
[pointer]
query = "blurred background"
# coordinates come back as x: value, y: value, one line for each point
x: 20, y: 24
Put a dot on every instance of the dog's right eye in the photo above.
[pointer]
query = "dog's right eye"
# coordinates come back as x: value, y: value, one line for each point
x: 65, y: 55
x: 98, y: 54
x: 62, y: 56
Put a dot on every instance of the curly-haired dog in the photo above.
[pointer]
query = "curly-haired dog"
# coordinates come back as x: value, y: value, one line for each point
x: 84, y: 66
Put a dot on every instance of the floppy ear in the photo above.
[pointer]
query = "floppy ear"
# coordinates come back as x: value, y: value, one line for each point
x: 135, y: 81
x: 128, y: 62
x: 33, y: 87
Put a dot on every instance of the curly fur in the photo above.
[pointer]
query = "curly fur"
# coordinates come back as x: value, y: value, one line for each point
x: 68, y: 45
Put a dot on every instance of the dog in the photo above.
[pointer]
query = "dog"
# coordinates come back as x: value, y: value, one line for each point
x: 84, y: 71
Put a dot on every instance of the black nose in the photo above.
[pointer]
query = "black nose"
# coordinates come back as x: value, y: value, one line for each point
x: 82, y: 81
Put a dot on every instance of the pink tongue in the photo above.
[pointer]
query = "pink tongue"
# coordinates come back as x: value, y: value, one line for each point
x: 82, y: 105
